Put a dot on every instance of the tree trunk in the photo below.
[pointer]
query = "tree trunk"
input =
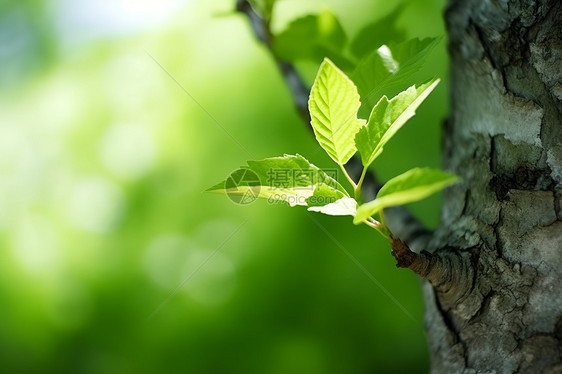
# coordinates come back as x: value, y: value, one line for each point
x: 500, y: 310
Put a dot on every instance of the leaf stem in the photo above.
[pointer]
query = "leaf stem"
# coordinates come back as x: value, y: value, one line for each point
x: 360, y: 184
x: 348, y: 177
x: 382, y: 218
x: 381, y: 228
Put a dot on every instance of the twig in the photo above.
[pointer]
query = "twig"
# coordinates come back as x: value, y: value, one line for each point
x: 261, y: 29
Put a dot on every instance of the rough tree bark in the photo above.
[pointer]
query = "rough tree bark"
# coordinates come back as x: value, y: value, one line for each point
x: 492, y: 273
x: 502, y: 313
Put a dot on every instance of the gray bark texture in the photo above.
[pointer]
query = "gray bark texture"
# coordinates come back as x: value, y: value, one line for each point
x: 498, y: 306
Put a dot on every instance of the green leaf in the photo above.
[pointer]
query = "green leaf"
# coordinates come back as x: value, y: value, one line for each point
x: 324, y: 195
x: 387, y: 118
x: 346, y: 206
x: 375, y: 34
x: 413, y: 185
x: 385, y: 69
x: 291, y: 179
x: 332, y: 202
x: 333, y: 106
x: 312, y: 37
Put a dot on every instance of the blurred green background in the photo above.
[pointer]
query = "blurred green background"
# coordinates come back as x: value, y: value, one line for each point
x: 112, y: 260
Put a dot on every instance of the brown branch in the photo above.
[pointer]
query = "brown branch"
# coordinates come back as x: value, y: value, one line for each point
x: 450, y: 272
x: 400, y: 221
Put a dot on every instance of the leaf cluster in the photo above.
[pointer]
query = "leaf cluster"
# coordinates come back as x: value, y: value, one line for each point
x: 346, y: 119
